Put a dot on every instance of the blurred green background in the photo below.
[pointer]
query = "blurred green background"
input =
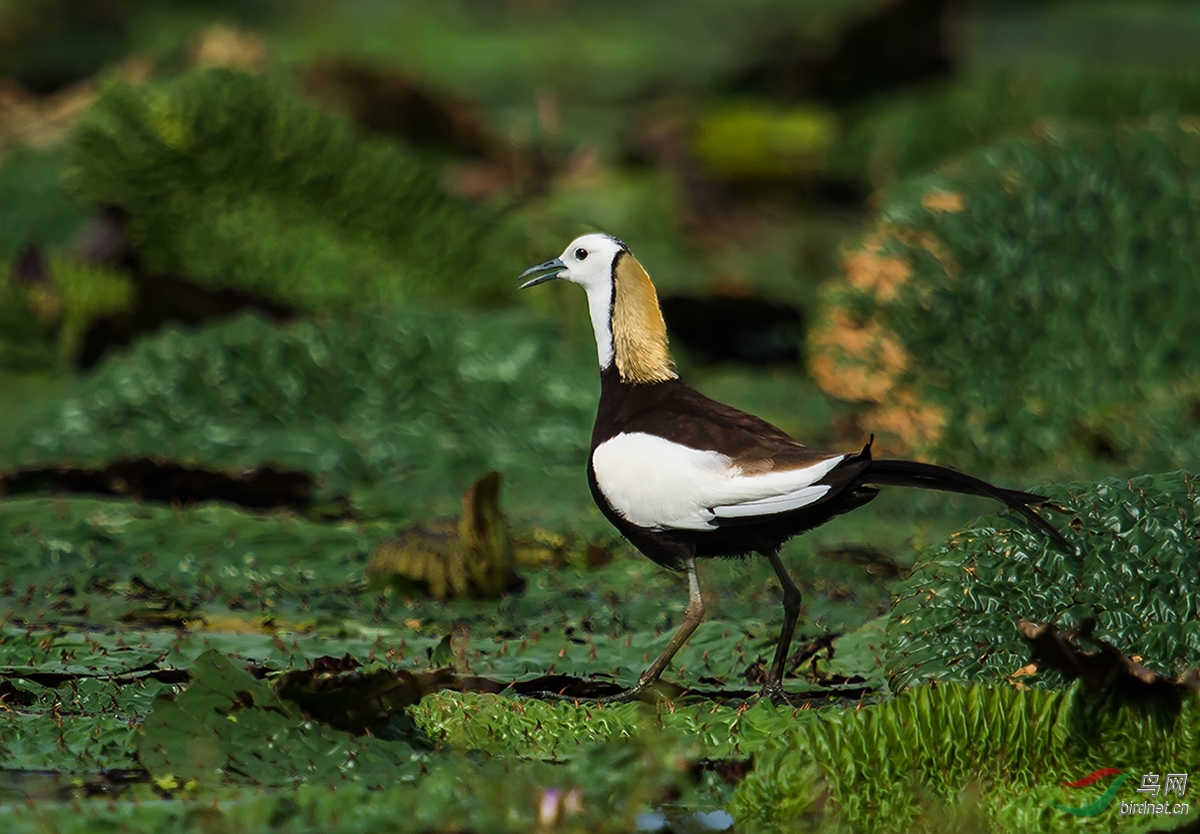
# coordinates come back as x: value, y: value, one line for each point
x: 258, y: 315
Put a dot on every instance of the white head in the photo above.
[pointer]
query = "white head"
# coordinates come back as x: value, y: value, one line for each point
x: 626, y: 319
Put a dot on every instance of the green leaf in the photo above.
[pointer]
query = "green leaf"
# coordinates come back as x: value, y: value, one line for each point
x: 398, y: 412
x: 443, y: 654
x: 228, y: 727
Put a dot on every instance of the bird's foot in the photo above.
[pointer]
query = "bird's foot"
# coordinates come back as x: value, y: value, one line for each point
x: 633, y: 693
x: 642, y: 690
x: 774, y: 691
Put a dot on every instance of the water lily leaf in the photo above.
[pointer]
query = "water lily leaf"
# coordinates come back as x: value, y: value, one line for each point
x: 228, y: 727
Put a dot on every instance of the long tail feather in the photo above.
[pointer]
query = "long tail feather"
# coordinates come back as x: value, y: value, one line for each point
x: 929, y: 476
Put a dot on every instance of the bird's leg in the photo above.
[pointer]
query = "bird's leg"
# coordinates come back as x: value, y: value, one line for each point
x: 773, y: 688
x: 692, y: 616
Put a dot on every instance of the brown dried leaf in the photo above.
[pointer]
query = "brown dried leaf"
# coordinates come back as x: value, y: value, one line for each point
x: 1105, y: 669
x: 472, y: 559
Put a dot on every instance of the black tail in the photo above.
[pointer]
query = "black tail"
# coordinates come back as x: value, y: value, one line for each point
x: 928, y: 476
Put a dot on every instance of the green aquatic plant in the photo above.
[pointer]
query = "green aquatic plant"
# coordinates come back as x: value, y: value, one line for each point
x: 910, y: 133
x: 953, y: 758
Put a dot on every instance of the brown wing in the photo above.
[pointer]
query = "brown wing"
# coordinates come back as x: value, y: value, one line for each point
x: 680, y: 413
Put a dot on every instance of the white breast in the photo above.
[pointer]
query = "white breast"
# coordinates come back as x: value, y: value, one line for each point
x: 656, y: 483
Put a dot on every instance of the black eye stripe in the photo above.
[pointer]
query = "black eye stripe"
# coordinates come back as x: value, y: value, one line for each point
x: 581, y: 254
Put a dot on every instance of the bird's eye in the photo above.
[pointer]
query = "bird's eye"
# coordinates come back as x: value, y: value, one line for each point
x: 581, y: 254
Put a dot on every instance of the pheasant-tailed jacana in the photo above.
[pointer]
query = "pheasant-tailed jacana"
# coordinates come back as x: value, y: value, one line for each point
x: 684, y: 477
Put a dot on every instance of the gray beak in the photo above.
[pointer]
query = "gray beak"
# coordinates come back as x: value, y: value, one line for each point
x: 551, y: 268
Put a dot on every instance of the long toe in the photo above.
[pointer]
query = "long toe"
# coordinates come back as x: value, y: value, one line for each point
x: 547, y: 695
x: 775, y: 693
x: 637, y: 692
x: 633, y: 693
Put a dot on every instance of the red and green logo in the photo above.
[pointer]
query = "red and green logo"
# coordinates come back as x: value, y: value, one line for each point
x: 1105, y: 799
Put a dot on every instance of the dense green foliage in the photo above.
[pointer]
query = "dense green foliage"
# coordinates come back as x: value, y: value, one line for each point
x: 398, y: 412
x: 234, y: 181
x: 887, y: 768
x: 1032, y: 304
x: 1136, y: 572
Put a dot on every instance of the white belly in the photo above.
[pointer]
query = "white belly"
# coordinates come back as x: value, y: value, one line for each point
x: 653, y: 482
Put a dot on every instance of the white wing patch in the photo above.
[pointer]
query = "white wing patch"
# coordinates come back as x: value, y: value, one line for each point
x: 776, y: 504
x: 659, y: 484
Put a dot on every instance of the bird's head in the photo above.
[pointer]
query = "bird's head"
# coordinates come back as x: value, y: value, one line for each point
x: 587, y: 261
x: 626, y: 318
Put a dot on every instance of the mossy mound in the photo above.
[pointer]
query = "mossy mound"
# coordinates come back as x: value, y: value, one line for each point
x: 1030, y: 306
x: 1136, y: 573
x: 396, y: 412
x: 234, y: 181
x: 557, y: 731
x: 956, y: 758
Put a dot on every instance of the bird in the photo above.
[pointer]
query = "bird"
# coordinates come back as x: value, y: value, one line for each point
x: 683, y: 477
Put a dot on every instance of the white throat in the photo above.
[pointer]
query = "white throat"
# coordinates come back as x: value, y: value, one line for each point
x: 599, y: 298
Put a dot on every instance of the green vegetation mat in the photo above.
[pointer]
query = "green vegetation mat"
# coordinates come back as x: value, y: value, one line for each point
x: 189, y: 693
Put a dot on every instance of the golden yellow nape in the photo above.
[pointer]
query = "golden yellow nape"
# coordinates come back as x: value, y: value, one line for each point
x: 639, y: 332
